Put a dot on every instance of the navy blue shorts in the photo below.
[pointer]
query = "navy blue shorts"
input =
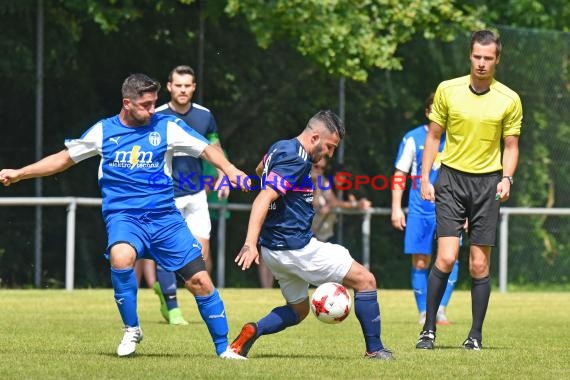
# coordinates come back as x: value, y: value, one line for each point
x: 162, y: 236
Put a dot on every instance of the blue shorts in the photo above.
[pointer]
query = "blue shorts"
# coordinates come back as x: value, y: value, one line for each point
x: 419, y: 235
x: 162, y: 236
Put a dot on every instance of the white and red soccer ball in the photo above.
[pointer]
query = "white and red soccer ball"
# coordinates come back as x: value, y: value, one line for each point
x: 331, y: 303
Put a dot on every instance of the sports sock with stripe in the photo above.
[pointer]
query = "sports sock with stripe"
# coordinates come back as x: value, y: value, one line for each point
x: 419, y: 285
x: 125, y: 287
x: 277, y: 320
x: 213, y: 313
x: 167, y: 281
x: 367, y: 310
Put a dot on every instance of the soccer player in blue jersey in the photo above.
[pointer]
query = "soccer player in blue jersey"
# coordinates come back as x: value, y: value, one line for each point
x: 280, y: 222
x: 420, y: 224
x: 189, y: 183
x: 136, y: 147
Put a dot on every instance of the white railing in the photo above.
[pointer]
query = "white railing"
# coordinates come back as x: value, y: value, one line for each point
x: 73, y: 202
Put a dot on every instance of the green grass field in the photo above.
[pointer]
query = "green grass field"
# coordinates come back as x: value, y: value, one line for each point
x: 70, y: 335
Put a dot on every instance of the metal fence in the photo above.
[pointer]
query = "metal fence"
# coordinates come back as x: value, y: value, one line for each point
x: 72, y: 203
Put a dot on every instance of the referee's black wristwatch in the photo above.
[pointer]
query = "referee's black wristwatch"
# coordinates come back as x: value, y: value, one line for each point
x: 509, y: 177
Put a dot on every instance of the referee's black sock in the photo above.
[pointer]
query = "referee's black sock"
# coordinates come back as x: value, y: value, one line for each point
x: 437, y: 282
x: 480, y: 294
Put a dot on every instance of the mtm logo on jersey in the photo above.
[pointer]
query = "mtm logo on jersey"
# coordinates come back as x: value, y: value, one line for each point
x: 136, y: 158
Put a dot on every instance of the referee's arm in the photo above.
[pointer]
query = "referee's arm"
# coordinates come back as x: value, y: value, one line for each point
x: 431, y: 147
x: 510, y: 161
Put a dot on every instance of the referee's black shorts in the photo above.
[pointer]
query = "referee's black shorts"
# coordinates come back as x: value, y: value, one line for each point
x: 460, y: 196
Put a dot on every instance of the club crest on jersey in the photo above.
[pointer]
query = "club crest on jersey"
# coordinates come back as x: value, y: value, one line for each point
x: 135, y: 158
x: 154, y: 138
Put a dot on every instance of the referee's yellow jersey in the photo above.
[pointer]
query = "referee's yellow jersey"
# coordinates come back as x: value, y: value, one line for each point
x: 475, y: 123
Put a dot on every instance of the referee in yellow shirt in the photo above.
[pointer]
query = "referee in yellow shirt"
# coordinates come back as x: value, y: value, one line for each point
x: 476, y: 112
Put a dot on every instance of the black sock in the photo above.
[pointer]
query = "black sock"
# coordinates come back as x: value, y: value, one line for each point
x: 480, y: 294
x: 437, y: 282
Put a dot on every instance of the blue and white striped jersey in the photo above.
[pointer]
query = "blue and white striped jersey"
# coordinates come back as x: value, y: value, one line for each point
x: 135, y: 168
x: 409, y: 160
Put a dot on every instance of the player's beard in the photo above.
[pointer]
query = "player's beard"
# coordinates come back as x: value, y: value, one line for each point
x: 317, y: 154
x: 139, y: 121
x: 181, y: 102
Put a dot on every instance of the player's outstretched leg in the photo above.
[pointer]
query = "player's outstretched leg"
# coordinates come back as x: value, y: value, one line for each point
x: 210, y: 305
x: 277, y: 320
x: 243, y: 342
x: 165, y: 288
x: 213, y: 313
x: 125, y: 287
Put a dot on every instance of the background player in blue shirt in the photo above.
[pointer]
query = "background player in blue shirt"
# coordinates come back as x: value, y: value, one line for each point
x: 136, y: 148
x: 280, y: 221
x: 420, y: 225
x: 189, y: 188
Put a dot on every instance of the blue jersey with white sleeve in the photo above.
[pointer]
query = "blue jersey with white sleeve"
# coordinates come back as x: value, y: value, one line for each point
x: 409, y: 160
x: 187, y: 170
x: 135, y: 168
x: 287, y: 170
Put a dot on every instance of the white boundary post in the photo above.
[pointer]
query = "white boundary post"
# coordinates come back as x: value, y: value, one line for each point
x: 70, y: 245
x: 366, y: 239
x: 504, y: 252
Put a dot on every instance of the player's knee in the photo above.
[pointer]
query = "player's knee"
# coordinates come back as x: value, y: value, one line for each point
x: 445, y: 264
x: 122, y: 256
x: 478, y: 268
x: 421, y: 262
x: 366, y: 281
x: 196, y: 278
x: 200, y: 284
x: 421, y: 265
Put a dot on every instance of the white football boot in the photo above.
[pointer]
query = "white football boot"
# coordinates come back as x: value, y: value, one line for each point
x: 133, y: 335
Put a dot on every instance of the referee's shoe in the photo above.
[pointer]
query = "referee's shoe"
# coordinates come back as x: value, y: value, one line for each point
x: 472, y: 344
x: 426, y: 340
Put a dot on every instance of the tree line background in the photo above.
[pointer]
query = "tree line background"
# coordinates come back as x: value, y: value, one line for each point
x: 267, y: 67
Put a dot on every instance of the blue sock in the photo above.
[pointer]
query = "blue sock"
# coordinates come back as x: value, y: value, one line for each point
x: 367, y: 310
x: 419, y: 285
x: 125, y: 286
x: 214, y: 314
x: 167, y: 281
x: 450, y: 284
x: 278, y: 319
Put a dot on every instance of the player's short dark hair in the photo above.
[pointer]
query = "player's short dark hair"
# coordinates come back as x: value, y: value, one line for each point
x: 486, y: 37
x: 332, y: 122
x: 137, y: 84
x: 182, y: 70
x: 429, y: 100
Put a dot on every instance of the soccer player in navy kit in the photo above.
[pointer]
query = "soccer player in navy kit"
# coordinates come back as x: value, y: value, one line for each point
x: 136, y: 148
x: 420, y: 225
x: 189, y: 184
x: 280, y: 222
